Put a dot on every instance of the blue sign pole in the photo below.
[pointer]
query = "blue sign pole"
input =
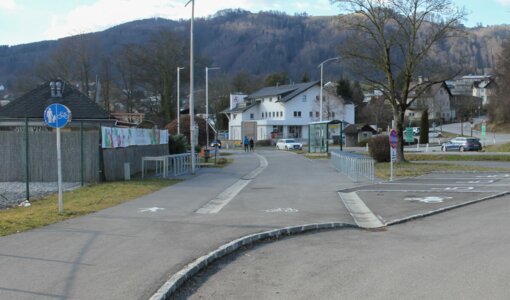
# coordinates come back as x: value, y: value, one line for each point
x: 56, y: 116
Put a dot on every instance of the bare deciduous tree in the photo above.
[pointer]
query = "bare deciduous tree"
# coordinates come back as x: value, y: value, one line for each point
x: 392, y: 42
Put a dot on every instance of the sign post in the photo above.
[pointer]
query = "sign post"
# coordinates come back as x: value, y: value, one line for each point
x: 57, y: 116
x: 393, y: 150
x: 484, y: 132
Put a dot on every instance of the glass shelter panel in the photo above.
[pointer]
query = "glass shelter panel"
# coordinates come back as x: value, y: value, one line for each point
x: 318, y: 140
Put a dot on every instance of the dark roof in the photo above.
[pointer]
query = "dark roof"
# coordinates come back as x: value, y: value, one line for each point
x: 286, y: 92
x: 33, y: 104
x: 355, y: 128
x: 240, y: 108
x: 432, y: 90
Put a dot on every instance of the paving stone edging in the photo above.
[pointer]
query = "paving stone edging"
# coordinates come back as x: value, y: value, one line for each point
x: 443, y: 209
x: 169, y: 287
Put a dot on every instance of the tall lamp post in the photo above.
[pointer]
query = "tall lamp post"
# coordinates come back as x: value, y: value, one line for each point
x: 191, y: 88
x: 321, y: 66
x: 179, y: 100
x: 207, y: 104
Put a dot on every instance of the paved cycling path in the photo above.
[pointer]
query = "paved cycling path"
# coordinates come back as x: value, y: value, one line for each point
x: 130, y: 250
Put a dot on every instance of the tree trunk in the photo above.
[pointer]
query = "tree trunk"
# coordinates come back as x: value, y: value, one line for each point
x: 398, y: 117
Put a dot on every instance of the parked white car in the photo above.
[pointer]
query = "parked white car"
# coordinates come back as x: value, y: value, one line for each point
x: 288, y: 144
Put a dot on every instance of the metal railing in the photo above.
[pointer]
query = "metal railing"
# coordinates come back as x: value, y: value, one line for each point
x: 355, y: 166
x: 173, y: 165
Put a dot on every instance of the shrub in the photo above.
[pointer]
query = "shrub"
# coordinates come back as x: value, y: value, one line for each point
x: 177, y: 144
x: 263, y: 143
x: 221, y: 161
x: 198, y: 149
x: 379, y: 148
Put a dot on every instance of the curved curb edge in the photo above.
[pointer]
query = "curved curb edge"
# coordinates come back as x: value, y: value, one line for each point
x: 440, y: 210
x: 169, y: 287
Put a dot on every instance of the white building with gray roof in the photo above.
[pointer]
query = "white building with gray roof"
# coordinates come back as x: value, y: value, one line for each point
x: 284, y: 111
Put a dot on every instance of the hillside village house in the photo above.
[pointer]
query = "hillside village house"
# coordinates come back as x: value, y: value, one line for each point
x: 284, y: 111
x: 485, y: 89
x: 437, y: 100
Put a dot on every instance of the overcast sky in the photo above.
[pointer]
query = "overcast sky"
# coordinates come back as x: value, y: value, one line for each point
x: 26, y: 21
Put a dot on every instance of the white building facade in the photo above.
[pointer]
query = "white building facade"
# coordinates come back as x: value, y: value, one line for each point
x: 284, y: 111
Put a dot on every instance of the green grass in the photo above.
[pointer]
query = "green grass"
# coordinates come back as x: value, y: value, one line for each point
x: 457, y: 157
x: 82, y: 201
x: 382, y: 170
x: 498, y: 148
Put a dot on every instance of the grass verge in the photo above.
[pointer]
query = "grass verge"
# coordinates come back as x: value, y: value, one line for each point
x: 498, y: 148
x: 409, y: 169
x: 457, y: 157
x: 82, y: 201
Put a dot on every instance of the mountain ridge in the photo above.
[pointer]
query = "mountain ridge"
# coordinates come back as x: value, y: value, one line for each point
x: 259, y: 43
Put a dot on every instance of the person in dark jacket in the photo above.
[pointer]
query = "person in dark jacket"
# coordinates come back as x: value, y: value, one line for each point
x: 252, y: 144
x: 246, y: 143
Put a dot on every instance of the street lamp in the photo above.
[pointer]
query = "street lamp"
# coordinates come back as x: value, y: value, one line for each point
x: 321, y: 66
x: 191, y: 87
x: 207, y: 104
x: 178, y: 101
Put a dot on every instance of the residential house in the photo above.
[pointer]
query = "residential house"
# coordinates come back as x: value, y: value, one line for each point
x: 436, y: 99
x: 30, y: 108
x: 485, y: 89
x: 284, y: 111
x: 357, y: 133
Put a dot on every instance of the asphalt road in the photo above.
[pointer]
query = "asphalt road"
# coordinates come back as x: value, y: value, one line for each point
x: 130, y: 250
x: 460, y: 254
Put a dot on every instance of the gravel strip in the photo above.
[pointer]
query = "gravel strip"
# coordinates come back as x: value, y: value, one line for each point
x: 13, y: 193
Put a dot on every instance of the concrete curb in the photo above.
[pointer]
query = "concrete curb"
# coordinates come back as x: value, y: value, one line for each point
x: 169, y: 287
x: 443, y: 209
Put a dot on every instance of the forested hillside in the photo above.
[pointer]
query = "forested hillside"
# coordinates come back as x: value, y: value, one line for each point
x: 258, y: 43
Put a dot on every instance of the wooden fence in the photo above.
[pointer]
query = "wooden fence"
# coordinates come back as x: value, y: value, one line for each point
x: 93, y: 163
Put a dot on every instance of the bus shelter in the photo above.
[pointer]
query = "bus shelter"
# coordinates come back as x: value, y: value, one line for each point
x: 320, y: 134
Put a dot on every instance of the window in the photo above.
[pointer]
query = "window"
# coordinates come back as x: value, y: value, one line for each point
x: 303, y: 98
x: 332, y: 114
x: 281, y: 114
x: 317, y: 114
x: 235, y: 115
x: 262, y: 115
x: 297, y: 114
x: 252, y: 116
x: 295, y: 131
x: 274, y: 114
x: 311, y: 114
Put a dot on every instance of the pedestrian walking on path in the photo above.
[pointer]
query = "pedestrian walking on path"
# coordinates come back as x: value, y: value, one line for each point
x: 252, y: 144
x: 246, y: 143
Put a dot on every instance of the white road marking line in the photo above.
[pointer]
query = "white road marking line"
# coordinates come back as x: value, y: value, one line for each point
x: 151, y: 209
x: 216, y: 204
x: 362, y: 215
x: 440, y: 184
x: 431, y: 191
x: 285, y: 210
x: 220, y: 201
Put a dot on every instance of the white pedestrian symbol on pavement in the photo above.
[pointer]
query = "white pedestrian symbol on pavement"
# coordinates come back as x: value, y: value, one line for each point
x: 151, y: 209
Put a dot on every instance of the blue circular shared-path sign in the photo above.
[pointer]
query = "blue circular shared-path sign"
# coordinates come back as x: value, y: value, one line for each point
x: 57, y: 115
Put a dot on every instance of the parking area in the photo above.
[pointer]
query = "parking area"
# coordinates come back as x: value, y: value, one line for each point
x: 401, y: 199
